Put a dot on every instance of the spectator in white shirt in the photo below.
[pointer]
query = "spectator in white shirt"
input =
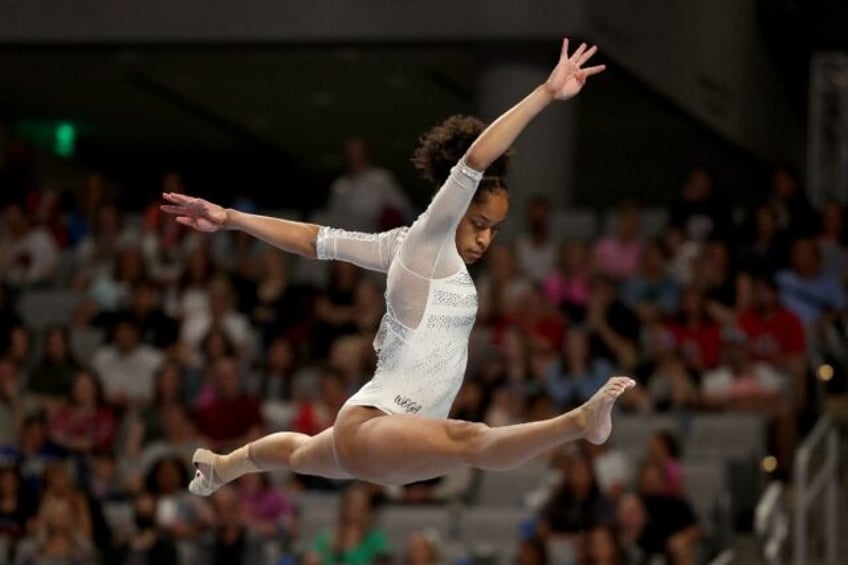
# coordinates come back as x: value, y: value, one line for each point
x: 28, y: 254
x: 537, y: 252
x: 127, y: 366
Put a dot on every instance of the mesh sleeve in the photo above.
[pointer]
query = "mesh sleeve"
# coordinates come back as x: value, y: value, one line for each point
x: 372, y: 251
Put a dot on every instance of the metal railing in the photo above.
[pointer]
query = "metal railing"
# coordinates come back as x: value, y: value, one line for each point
x: 809, y: 485
x: 771, y: 523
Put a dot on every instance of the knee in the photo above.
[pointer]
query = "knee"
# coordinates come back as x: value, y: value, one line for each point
x: 470, y: 440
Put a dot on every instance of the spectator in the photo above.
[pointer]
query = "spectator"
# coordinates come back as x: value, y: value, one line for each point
x: 334, y: 310
x: 86, y: 424
x: 230, y: 542
x: 665, y: 450
x: 806, y: 290
x: 53, y: 374
x: 366, y: 197
x: 354, y: 540
x: 795, y: 213
x: 32, y: 450
x: 276, y: 375
x: 765, y: 253
x: 500, y: 287
x: 58, y: 538
x: 233, y: 418
x: 701, y: 212
x: 532, y: 551
x: 775, y: 334
x: 157, y: 328
x: 833, y: 241
x: 695, y: 333
x: 188, y: 297
x: 18, y: 506
x: 617, y: 255
x: 612, y: 467
x: 11, y: 404
x: 179, y: 439
x: 148, y: 544
x: 179, y: 514
x: 632, y: 521
x: 568, y: 286
x: 650, y: 293
x: 535, y: 248
x: 60, y: 486
x: 128, y: 366
x: 613, y: 328
x: 110, y: 291
x: 28, y: 256
x: 671, y: 528
x: 168, y: 390
x: 600, y: 546
x: 265, y: 510
x: 577, y: 504
x: 422, y: 548
x: 221, y: 314
x: 577, y: 377
x: 544, y: 326
x: 95, y: 253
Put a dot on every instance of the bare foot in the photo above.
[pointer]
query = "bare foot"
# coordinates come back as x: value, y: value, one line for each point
x: 597, y: 411
x: 205, y: 482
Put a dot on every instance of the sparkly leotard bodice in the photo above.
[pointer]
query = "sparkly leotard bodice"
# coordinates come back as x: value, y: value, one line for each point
x: 431, y: 303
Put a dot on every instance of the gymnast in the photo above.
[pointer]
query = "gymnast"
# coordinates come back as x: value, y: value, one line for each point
x: 395, y: 429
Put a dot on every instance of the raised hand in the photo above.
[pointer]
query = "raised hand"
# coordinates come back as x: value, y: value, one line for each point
x: 194, y: 212
x: 569, y: 76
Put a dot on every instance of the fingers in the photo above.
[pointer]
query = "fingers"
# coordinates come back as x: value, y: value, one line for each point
x: 587, y: 55
x: 178, y: 198
x: 186, y: 221
x: 176, y: 210
x: 575, y: 58
x: 589, y: 71
x: 565, y: 47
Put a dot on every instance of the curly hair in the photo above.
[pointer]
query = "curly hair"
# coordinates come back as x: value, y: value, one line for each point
x: 440, y: 148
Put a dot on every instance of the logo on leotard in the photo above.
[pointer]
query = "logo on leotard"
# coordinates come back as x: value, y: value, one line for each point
x: 409, y: 405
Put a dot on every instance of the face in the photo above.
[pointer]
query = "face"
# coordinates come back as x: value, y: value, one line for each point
x: 227, y: 378
x: 84, y: 390
x: 57, y: 346
x: 480, y: 225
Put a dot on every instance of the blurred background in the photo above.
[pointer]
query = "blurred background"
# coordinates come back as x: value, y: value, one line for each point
x: 682, y: 221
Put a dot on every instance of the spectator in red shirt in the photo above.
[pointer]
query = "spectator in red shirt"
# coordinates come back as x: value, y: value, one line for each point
x: 232, y: 418
x: 696, y: 334
x: 86, y: 424
x: 775, y: 334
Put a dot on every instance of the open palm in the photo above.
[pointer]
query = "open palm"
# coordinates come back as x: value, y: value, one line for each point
x: 194, y: 212
x: 569, y: 76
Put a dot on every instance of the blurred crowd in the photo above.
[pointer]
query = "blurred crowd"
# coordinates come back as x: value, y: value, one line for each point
x: 216, y: 340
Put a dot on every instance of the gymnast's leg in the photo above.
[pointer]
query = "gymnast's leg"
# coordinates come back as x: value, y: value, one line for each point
x: 300, y: 453
x: 399, y: 449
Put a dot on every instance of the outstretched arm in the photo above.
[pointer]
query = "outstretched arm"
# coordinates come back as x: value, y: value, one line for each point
x: 369, y: 251
x: 294, y: 237
x: 565, y: 81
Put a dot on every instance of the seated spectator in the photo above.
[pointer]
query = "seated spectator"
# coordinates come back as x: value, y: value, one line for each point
x: 18, y: 506
x: 86, y: 424
x: 671, y: 385
x: 157, y: 328
x: 743, y: 384
x: 276, y: 375
x: 796, y: 215
x: 819, y: 301
x: 128, y: 366
x: 701, y: 212
x: 632, y: 521
x: 11, y: 405
x: 766, y: 251
x: 28, y: 254
x: 535, y: 249
x: 600, y: 546
x: 576, y: 377
x: 613, y: 327
x: 95, y: 253
x: 221, y: 314
x: 833, y: 241
x: 179, y: 439
x: 60, y: 486
x: 696, y: 334
x: 265, y: 510
x: 231, y: 541
x: 57, y: 537
x: 179, y: 514
x: 19, y: 349
x: 671, y: 528
x: 664, y: 449
x: 53, y: 374
x: 334, y: 313
x: 617, y: 255
x: 775, y: 334
x: 188, y: 296
x: 216, y: 345
x: 422, y: 548
x: 613, y: 469
x: 148, y: 544
x: 110, y: 291
x: 500, y: 287
x: 233, y: 418
x: 543, y: 325
x: 577, y: 504
x: 650, y: 293
x: 716, y: 278
x: 682, y: 254
x: 568, y: 286
x: 31, y: 450
x: 355, y: 539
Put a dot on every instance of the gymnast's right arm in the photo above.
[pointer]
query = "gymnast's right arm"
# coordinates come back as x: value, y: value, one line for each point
x: 369, y: 251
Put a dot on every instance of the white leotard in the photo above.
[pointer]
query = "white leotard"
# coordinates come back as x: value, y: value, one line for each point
x: 431, y: 302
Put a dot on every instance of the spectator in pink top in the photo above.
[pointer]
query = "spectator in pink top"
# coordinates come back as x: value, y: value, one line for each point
x: 568, y: 286
x: 617, y: 255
